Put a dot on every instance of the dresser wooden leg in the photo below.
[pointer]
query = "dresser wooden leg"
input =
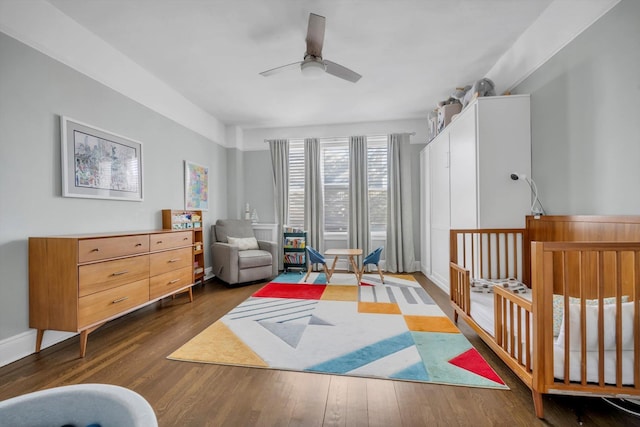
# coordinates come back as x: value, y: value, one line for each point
x: 39, y: 336
x: 84, y: 335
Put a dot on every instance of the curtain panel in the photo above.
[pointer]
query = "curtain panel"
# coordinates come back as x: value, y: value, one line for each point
x: 279, y: 149
x: 313, y: 195
x: 358, y: 232
x: 399, y: 252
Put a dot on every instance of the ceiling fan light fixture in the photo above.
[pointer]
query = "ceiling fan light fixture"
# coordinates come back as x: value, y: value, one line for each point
x: 312, y: 69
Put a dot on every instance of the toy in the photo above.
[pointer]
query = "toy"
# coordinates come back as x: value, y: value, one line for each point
x: 483, y: 87
x: 448, y: 101
x: 460, y: 92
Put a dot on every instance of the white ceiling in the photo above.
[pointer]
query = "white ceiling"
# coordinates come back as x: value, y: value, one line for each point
x: 411, y: 53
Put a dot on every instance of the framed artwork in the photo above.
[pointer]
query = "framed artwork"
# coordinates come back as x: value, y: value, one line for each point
x: 99, y: 164
x: 196, y: 186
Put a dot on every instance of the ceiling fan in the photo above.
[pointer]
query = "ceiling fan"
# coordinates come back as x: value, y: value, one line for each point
x: 313, y: 64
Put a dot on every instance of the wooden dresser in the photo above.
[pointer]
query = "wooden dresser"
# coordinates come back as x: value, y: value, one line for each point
x: 78, y: 283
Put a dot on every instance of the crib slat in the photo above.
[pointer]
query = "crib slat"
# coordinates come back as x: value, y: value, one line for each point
x: 583, y: 319
x: 481, y: 255
x: 515, y: 254
x: 511, y: 330
x: 519, y: 330
x: 527, y: 340
x: 498, y: 257
x: 567, y: 316
x: 618, y: 319
x: 464, y: 250
x: 600, y: 278
x: 636, y: 317
x: 473, y: 257
x: 505, y: 336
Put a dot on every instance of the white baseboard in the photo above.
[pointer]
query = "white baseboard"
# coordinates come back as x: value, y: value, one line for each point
x: 22, y: 345
x: 439, y: 283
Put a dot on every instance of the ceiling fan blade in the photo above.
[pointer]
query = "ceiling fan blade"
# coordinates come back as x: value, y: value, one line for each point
x: 342, y: 72
x: 315, y: 35
x: 279, y: 69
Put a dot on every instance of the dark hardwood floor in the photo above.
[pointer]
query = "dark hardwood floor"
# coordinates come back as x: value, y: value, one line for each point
x: 131, y: 352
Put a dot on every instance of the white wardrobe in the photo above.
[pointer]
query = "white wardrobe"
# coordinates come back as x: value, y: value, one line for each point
x: 465, y: 177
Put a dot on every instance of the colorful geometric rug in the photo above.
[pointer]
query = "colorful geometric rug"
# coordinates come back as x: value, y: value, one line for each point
x: 392, y: 330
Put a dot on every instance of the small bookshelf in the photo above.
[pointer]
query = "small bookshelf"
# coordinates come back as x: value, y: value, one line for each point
x: 295, y: 255
x: 188, y: 220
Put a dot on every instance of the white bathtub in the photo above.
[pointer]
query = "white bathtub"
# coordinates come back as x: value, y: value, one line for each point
x: 78, y: 405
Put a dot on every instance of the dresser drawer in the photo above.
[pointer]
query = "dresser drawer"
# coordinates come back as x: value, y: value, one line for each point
x: 103, y: 305
x: 170, y: 240
x: 111, y: 247
x: 166, y: 283
x: 163, y: 262
x: 105, y: 275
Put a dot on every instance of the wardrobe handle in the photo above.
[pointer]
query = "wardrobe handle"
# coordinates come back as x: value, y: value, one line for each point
x: 115, y: 301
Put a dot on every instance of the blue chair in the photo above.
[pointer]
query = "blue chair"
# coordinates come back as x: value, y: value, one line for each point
x: 374, y: 259
x: 315, y: 257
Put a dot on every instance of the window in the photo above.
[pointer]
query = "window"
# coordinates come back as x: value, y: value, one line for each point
x: 377, y: 181
x: 335, y: 179
x: 296, y: 183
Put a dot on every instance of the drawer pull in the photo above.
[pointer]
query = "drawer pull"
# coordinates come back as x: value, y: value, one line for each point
x: 138, y: 244
x: 120, y: 273
x: 174, y: 260
x: 186, y: 238
x: 115, y: 301
x: 174, y: 281
x: 95, y: 250
x: 158, y: 242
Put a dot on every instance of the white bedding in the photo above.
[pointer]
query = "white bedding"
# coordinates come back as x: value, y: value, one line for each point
x: 482, y: 312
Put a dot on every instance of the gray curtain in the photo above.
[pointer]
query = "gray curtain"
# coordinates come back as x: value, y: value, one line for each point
x: 358, y: 233
x: 280, y: 163
x: 399, y: 253
x: 313, y: 195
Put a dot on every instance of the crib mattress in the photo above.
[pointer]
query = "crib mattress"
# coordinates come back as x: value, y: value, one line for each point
x: 482, y: 312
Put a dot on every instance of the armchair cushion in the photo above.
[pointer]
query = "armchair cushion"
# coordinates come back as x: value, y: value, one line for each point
x: 253, y: 258
x: 232, y: 227
x: 243, y: 243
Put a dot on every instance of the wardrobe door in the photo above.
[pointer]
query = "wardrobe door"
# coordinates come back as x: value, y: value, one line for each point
x: 425, y: 214
x: 464, y: 169
x: 439, y: 210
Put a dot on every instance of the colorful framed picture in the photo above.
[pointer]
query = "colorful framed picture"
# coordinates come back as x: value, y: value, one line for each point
x: 196, y: 186
x: 99, y: 164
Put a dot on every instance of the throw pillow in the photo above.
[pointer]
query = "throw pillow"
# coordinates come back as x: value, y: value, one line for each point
x: 244, y: 243
x: 609, y: 324
x: 558, y: 308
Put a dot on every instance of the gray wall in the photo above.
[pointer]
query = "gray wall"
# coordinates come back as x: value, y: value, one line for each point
x: 235, y: 189
x: 585, y: 118
x: 34, y: 91
x: 259, y: 184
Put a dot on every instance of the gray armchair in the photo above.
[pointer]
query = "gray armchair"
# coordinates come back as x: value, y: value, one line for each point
x: 240, y: 261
